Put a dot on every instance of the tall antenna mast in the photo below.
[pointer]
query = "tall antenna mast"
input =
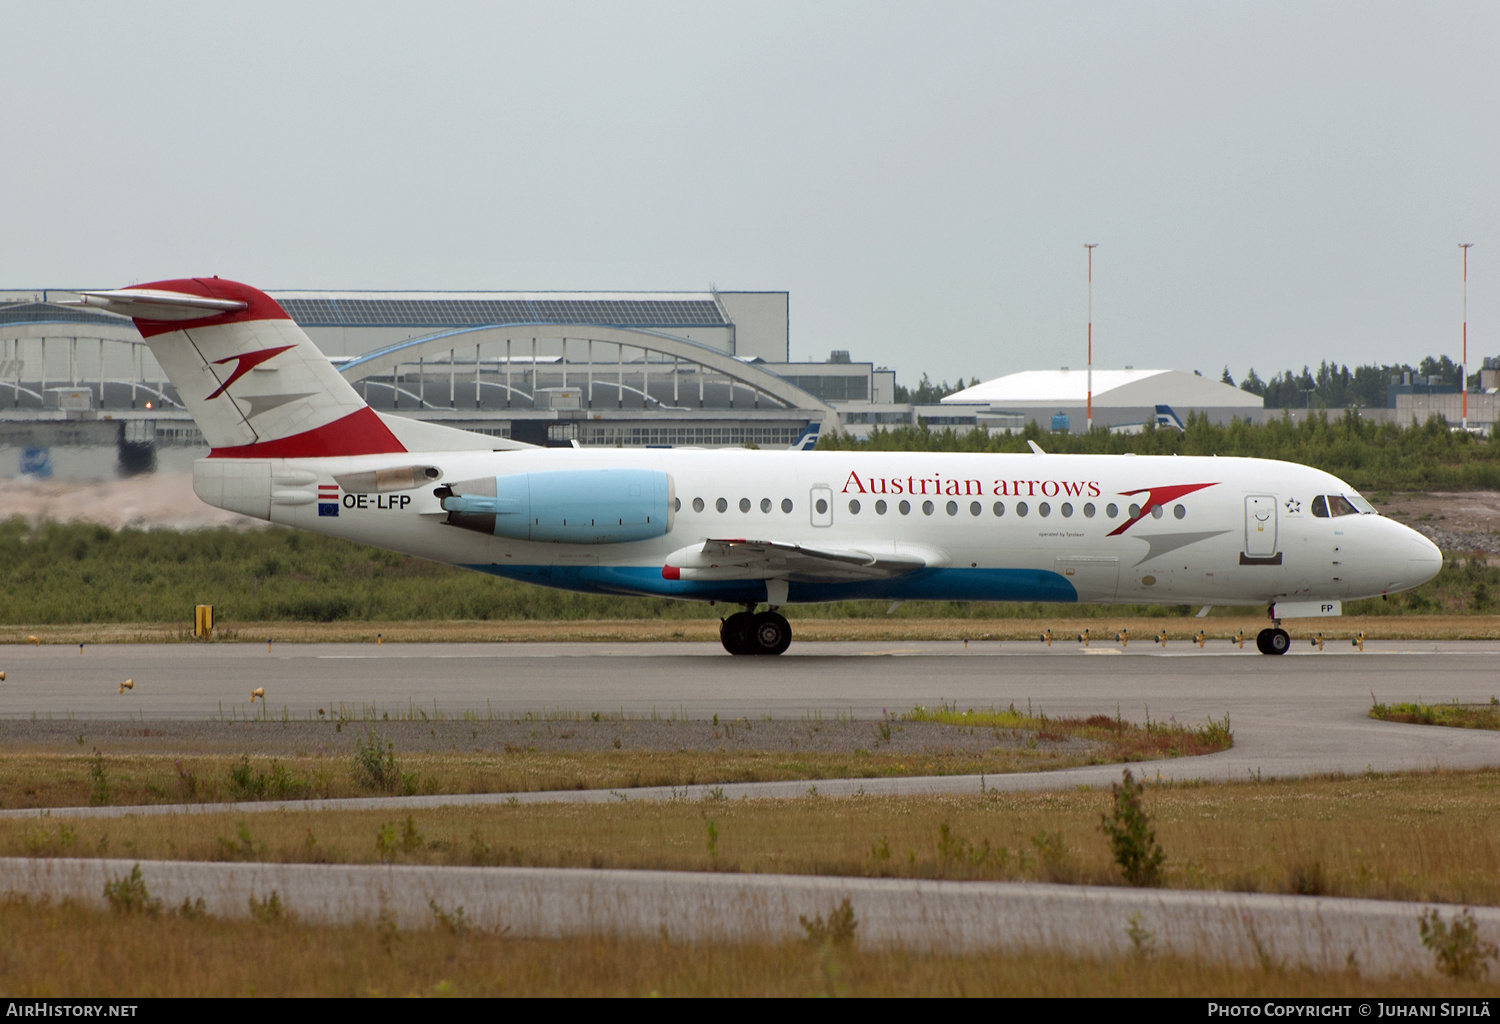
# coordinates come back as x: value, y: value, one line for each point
x: 1463, y: 368
x: 1089, y: 409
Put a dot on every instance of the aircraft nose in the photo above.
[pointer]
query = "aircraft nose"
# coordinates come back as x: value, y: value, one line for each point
x: 1423, y: 560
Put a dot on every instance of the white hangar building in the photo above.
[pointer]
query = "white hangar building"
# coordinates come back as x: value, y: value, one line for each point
x: 1120, y: 397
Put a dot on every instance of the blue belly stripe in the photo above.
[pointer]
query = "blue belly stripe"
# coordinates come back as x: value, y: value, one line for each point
x: 922, y: 585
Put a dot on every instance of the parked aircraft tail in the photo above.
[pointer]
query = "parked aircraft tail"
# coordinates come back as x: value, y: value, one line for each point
x: 1166, y: 419
x: 808, y: 439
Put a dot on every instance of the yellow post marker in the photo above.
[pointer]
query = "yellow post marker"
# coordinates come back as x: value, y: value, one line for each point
x: 203, y: 620
x: 128, y: 684
x: 1358, y: 641
x: 1317, y: 641
x: 378, y: 638
x: 1083, y: 638
x: 259, y: 691
x: 80, y: 648
x: 1238, y: 639
x: 1047, y: 637
x: 1161, y: 637
x: 1123, y: 637
x: 268, y: 645
x: 1201, y: 638
x: 34, y: 641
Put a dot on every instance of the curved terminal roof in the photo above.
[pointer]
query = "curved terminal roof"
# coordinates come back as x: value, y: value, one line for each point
x: 468, y: 309
x: 1133, y: 388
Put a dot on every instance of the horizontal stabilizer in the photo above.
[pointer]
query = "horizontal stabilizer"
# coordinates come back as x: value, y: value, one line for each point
x: 155, y: 304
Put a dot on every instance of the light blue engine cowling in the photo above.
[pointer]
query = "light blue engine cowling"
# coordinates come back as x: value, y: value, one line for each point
x: 579, y: 506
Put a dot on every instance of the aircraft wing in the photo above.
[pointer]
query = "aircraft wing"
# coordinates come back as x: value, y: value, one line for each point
x: 742, y: 559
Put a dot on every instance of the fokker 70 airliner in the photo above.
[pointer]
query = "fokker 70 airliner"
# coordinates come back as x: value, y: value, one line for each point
x: 292, y: 442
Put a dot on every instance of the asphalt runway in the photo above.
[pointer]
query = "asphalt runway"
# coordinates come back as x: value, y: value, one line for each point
x: 1305, y: 712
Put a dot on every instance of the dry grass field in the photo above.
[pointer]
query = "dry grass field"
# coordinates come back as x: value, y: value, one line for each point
x: 53, y: 950
x: 506, y: 756
x: 1458, y: 716
x: 1141, y: 630
x: 1431, y: 836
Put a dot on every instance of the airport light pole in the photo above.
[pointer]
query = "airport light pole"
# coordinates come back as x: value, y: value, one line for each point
x: 1463, y: 366
x: 1089, y: 408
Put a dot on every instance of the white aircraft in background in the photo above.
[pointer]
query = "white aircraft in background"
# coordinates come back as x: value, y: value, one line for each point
x: 293, y: 443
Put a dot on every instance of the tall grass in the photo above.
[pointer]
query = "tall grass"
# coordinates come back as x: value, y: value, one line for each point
x: 65, y: 573
x: 1427, y: 836
x: 63, y: 949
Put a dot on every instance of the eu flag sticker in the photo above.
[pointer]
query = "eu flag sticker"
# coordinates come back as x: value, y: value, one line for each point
x: 328, y: 499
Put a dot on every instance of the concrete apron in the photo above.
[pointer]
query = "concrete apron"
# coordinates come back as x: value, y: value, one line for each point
x: 1244, y: 929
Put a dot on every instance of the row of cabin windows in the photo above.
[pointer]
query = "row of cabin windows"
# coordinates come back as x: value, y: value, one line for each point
x: 1020, y: 508
x: 976, y: 508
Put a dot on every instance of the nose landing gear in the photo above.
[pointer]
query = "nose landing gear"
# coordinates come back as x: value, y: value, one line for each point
x: 748, y: 633
x: 1273, y: 639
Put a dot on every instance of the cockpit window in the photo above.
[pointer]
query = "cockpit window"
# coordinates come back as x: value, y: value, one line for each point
x: 1338, y: 505
x: 1326, y: 505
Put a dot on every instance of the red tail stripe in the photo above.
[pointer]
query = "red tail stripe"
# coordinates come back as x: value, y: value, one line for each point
x: 260, y: 306
x: 359, y: 433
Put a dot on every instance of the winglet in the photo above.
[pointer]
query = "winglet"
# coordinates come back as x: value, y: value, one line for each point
x: 1036, y: 449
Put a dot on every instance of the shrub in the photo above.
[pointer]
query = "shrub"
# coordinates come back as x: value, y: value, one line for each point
x: 837, y: 930
x: 375, y: 764
x: 129, y: 895
x: 1456, y: 947
x: 1131, y: 837
x: 98, y: 781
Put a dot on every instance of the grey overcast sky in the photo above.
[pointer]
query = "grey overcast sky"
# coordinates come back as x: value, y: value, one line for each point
x: 1270, y: 184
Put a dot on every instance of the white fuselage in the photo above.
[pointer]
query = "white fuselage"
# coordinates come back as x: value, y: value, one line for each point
x: 1029, y: 527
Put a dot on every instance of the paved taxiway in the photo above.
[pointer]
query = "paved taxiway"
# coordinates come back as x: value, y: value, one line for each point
x: 1301, y: 713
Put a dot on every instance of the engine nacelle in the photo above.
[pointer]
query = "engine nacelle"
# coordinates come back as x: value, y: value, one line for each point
x: 576, y: 506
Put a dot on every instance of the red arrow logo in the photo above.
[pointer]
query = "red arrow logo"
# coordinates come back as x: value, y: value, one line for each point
x: 1155, y: 496
x: 247, y: 362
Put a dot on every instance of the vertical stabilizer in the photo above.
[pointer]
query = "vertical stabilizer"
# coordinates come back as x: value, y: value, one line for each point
x: 252, y: 379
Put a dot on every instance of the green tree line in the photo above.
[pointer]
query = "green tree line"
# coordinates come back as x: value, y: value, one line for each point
x: 1333, y: 386
x: 1370, y: 456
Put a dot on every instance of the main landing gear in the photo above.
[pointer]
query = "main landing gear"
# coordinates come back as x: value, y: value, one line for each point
x: 1273, y: 640
x: 748, y: 633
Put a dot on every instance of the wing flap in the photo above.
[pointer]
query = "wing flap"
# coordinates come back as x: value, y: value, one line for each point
x: 744, y: 559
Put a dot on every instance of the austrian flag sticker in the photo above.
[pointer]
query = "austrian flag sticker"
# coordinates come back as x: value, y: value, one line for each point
x: 328, y: 499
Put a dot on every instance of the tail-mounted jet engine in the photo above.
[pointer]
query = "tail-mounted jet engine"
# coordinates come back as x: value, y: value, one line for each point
x: 576, y: 506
